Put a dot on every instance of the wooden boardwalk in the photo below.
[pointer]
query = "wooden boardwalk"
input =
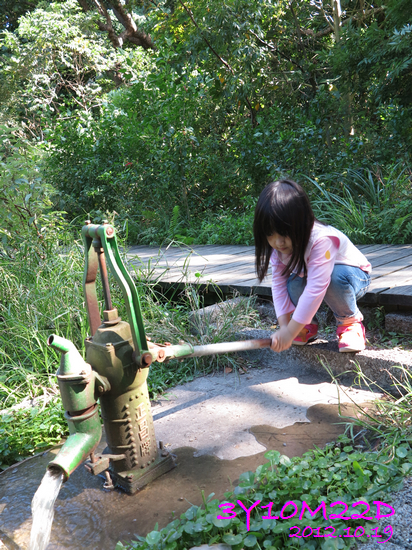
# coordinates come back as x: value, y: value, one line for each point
x: 232, y: 268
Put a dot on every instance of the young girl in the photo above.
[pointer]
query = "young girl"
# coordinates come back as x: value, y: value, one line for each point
x: 311, y: 262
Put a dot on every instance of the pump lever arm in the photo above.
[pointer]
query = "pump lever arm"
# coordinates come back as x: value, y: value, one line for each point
x: 101, y: 239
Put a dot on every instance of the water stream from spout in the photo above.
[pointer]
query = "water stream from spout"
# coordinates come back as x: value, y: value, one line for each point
x: 42, y: 507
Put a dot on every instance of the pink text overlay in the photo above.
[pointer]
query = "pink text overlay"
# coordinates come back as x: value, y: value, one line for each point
x: 330, y: 531
x: 293, y: 510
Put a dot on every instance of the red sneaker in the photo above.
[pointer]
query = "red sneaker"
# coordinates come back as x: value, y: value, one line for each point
x: 307, y: 334
x: 351, y: 337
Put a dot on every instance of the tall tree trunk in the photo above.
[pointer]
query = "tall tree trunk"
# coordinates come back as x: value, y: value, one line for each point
x: 337, y: 12
x: 346, y: 98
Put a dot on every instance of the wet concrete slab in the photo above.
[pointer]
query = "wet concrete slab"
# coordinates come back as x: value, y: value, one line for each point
x: 214, y: 413
x: 217, y: 426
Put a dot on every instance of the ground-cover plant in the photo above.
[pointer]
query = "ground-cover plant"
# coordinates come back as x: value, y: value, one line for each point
x: 337, y: 475
x: 30, y: 428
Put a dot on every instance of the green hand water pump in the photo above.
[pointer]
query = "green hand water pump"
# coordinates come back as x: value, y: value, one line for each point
x: 118, y: 357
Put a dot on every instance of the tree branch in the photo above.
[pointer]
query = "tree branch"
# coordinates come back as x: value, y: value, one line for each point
x: 225, y: 63
x: 330, y: 29
x: 275, y: 49
x: 131, y: 32
x: 131, y: 28
x: 190, y: 13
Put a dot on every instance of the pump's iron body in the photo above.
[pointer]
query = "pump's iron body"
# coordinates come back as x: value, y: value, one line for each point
x: 118, y: 357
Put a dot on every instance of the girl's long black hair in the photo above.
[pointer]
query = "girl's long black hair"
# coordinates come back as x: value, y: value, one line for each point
x: 284, y: 208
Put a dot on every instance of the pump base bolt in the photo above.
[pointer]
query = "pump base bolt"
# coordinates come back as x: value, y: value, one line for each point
x: 108, y: 485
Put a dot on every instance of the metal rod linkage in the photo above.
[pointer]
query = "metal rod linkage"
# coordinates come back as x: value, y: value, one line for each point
x: 105, y: 279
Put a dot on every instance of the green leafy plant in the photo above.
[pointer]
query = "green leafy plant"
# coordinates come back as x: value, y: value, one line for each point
x: 338, y: 473
x: 29, y: 429
x: 30, y: 225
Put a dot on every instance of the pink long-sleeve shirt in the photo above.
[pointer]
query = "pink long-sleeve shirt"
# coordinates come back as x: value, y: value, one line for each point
x: 327, y: 246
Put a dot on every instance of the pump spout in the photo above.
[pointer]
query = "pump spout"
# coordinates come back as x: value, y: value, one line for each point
x: 85, y: 434
x: 61, y: 344
x: 77, y: 382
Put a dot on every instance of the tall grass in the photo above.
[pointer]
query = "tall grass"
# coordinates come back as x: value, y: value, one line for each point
x: 367, y: 205
x: 385, y: 424
x: 37, y: 299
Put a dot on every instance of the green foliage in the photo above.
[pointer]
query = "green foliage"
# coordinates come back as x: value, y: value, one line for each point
x: 55, y: 64
x: 336, y: 473
x: 228, y: 226
x: 368, y: 206
x: 11, y: 11
x: 28, y: 430
x: 30, y: 225
x: 142, y: 157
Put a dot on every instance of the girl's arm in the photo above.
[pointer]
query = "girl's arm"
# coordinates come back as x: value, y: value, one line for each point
x: 319, y: 266
x: 282, y: 339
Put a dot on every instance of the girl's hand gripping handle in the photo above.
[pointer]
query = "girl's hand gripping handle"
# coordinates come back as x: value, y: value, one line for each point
x: 282, y: 339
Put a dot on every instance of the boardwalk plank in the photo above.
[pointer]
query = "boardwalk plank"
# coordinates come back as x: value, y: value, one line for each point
x: 393, y: 280
x: 400, y: 295
x: 369, y: 248
x: 393, y: 267
x: 209, y: 270
x: 197, y: 261
x: 232, y: 267
x: 378, y: 258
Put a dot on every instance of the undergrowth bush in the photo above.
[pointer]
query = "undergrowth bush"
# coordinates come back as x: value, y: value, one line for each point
x: 369, y: 206
x: 228, y: 226
x: 29, y: 223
